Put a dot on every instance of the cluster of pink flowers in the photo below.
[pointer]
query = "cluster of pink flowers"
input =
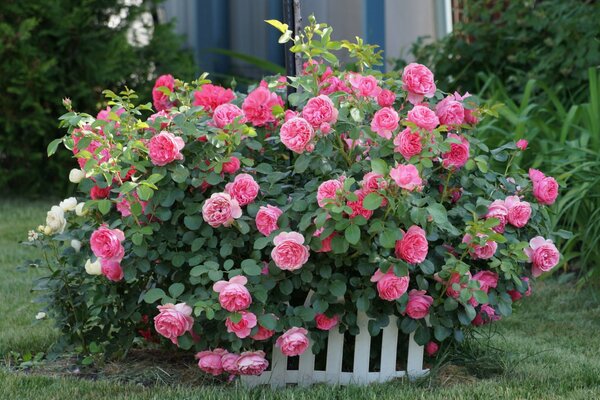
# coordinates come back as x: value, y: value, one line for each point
x: 107, y: 245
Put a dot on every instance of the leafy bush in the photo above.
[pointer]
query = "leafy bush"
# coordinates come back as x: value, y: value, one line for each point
x: 54, y: 49
x: 228, y: 219
x: 551, y: 41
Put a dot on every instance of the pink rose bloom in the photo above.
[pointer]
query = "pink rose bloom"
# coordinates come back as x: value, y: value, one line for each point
x: 485, y: 315
x: 107, y: 243
x: 320, y: 110
x: 289, y: 252
x: 101, y: 156
x: 220, y: 209
x: 160, y: 114
x: 423, y: 117
x: 225, y: 114
x: 450, y: 112
x: 486, y: 279
x: 390, y: 287
x: 165, y: 148
x: 328, y: 191
x: 333, y: 84
x: 431, y: 348
x: 124, y: 206
x: 522, y: 144
x: 325, y: 323
x: 545, y: 189
x: 293, y: 342
x: 458, y: 154
x: 499, y: 211
x: 417, y: 80
x: 244, y: 326
x: 408, y: 143
x: 211, y: 361
x: 97, y: 193
x: 455, y: 278
x: 233, y: 295
x: 364, y: 86
x: 231, y: 166
x: 373, y: 182
x: 258, y: 106
x: 243, y: 188
x: 386, y: 98
x: 413, y: 246
x: 480, y: 252
x: 161, y: 100
x: 229, y: 363
x: 296, y: 134
x: 263, y: 333
x: 543, y: 254
x: 173, y: 320
x: 407, y: 177
x: 518, y: 211
x: 357, y: 205
x: 252, y: 363
x: 111, y: 269
x: 418, y: 304
x: 325, y: 243
x: 266, y: 219
x: 289, y: 114
x: 211, y: 96
x: 385, y: 121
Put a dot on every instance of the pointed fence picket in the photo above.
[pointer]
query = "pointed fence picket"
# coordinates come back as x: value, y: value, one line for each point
x: 279, y: 375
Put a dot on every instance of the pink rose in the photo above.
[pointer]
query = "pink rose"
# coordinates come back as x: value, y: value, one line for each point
x: 458, y: 154
x: 220, y: 209
x: 161, y: 100
x: 243, y: 188
x: 320, y: 110
x: 124, y: 206
x: 293, y: 342
x: 165, y: 148
x: 229, y: 363
x: 450, y: 112
x: 233, y: 295
x: 243, y: 327
x: 263, y: 333
x: 418, y: 304
x: 231, y: 166
x: 518, y: 211
x: 486, y: 279
x: 431, y: 348
x: 333, y: 84
x: 457, y: 279
x: 373, y: 182
x: 545, y: 189
x: 104, y: 114
x: 407, y: 177
x: 364, y: 86
x: 390, y: 287
x: 252, y: 363
x: 225, y: 114
x: 111, y: 269
x: 211, y: 361
x: 97, y: 193
x: 173, y: 320
x: 325, y: 243
x: 99, y: 151
x: 258, y: 106
x: 417, y: 80
x: 499, y: 211
x: 480, y: 252
x: 522, y: 144
x: 543, y: 254
x: 485, y: 315
x: 413, y: 246
x: 289, y: 252
x: 266, y: 219
x: 423, y: 117
x: 385, y: 122
x: 408, y: 143
x: 357, y: 205
x: 107, y: 243
x: 296, y: 134
x: 211, y: 96
x: 163, y: 115
x: 325, y: 323
x: 386, y: 98
x: 328, y: 191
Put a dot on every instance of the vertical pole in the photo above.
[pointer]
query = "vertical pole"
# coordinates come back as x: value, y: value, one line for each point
x: 374, y: 23
x: 293, y: 18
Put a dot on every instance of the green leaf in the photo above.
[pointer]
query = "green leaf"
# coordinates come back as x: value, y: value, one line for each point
x: 438, y: 213
x: 372, y: 201
x: 251, y: 268
x: 379, y: 166
x: 261, y: 243
x: 193, y: 222
x: 268, y: 321
x: 363, y: 303
x: 53, y: 146
x: 154, y: 295
x: 302, y: 163
x: 387, y: 238
x: 352, y: 234
x: 180, y: 174
x: 176, y: 289
x: 215, y: 275
x: 339, y: 245
x: 286, y: 287
x: 422, y: 335
x: 280, y: 26
x: 337, y: 288
x: 145, y: 193
x: 441, y: 332
x: 306, y: 313
x: 104, y: 206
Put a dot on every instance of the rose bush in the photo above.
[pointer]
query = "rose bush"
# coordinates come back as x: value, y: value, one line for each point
x: 248, y: 223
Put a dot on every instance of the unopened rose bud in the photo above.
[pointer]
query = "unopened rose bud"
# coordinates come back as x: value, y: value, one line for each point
x: 76, y: 244
x: 47, y: 230
x: 40, y: 228
x: 67, y: 103
x: 79, y: 210
x: 93, y: 268
x: 522, y: 144
x: 76, y: 175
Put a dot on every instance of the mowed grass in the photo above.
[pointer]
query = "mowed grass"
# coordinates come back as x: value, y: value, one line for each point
x: 550, y: 348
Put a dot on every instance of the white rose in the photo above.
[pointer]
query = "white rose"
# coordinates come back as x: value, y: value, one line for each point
x: 55, y: 220
x: 68, y: 204
x: 79, y: 210
x: 76, y: 244
x: 76, y: 175
x: 93, y: 268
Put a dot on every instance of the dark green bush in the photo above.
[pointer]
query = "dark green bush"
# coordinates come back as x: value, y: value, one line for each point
x: 65, y: 48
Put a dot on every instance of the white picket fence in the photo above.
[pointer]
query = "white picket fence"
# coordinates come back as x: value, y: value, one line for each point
x: 279, y: 375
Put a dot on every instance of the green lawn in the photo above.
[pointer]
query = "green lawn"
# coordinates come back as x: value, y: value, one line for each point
x: 550, y: 348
